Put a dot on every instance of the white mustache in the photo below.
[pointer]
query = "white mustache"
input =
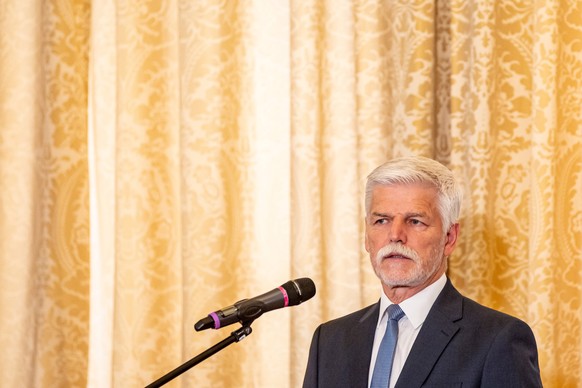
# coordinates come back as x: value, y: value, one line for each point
x: 396, y: 249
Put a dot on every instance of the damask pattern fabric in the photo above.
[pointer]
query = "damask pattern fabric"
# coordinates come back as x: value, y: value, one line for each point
x: 163, y: 159
x: 44, y: 198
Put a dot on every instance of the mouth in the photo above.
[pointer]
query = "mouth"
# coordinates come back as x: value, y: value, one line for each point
x: 393, y: 256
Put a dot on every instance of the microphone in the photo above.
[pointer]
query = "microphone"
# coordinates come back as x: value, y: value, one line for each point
x: 247, y: 310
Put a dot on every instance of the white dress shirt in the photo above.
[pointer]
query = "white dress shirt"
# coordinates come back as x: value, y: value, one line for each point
x: 416, y: 309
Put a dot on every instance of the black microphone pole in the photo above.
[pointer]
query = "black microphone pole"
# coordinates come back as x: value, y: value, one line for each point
x: 235, y: 336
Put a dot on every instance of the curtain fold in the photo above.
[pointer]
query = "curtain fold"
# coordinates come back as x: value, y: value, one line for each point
x: 45, y: 225
x: 102, y: 166
x: 160, y: 160
x: 21, y: 80
x: 147, y: 331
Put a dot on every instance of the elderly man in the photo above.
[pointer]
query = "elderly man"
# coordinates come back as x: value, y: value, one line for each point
x: 422, y: 332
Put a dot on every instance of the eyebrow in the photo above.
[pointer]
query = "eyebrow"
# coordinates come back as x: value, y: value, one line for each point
x: 406, y: 215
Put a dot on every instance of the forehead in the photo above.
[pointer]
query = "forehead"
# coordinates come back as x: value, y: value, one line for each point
x: 404, y: 198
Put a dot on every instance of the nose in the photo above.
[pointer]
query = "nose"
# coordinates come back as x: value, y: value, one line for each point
x: 397, y: 231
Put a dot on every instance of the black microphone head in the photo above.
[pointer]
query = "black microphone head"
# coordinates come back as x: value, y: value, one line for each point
x: 299, y: 290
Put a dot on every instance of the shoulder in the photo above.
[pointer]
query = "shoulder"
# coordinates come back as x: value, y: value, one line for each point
x: 480, y: 321
x: 502, y: 347
x: 457, y: 306
x: 509, y: 344
x: 474, y: 319
x: 366, y: 314
x: 490, y: 316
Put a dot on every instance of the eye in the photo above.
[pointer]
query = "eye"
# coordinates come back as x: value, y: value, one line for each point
x: 380, y: 221
x: 415, y: 221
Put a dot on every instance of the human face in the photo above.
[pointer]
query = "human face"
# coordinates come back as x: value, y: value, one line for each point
x: 405, y: 238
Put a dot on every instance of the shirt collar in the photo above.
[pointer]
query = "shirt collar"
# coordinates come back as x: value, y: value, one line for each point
x: 417, y: 306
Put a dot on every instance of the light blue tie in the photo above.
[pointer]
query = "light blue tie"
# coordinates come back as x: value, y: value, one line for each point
x: 383, y: 367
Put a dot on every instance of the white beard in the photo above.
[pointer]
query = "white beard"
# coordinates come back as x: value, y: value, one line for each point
x: 422, y: 270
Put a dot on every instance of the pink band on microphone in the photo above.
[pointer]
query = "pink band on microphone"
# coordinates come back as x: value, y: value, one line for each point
x: 215, y: 319
x: 285, y: 296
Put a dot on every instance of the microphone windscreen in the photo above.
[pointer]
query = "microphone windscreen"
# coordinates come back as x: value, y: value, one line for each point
x: 299, y: 290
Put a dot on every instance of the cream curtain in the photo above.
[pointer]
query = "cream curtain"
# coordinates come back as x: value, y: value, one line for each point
x: 162, y: 159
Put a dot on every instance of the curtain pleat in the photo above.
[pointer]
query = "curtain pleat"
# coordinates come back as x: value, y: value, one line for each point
x: 20, y: 142
x: 45, y: 224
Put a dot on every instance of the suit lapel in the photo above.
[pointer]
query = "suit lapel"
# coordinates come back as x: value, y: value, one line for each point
x: 437, y: 331
x: 362, y: 342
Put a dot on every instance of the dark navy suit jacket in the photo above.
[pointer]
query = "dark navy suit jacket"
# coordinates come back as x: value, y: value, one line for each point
x: 460, y: 344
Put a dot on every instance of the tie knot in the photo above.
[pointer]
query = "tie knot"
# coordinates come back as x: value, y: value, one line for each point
x: 395, y: 312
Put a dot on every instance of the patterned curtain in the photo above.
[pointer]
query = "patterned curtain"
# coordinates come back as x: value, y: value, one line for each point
x: 162, y: 159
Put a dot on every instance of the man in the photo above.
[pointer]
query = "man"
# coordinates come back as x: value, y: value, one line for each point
x: 443, y: 338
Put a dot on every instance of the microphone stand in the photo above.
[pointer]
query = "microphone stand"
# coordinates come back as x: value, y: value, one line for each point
x: 235, y: 336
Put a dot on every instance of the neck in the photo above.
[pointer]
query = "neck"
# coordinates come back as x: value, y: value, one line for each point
x: 399, y: 293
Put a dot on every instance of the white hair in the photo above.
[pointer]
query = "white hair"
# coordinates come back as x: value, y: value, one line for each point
x: 418, y: 169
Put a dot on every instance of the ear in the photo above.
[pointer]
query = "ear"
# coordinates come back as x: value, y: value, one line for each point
x: 451, y: 240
